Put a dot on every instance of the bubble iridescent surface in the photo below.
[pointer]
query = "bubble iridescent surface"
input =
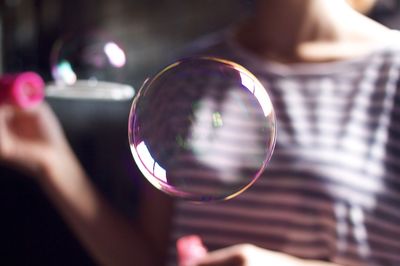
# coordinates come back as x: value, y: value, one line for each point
x: 202, y: 129
x: 89, y: 65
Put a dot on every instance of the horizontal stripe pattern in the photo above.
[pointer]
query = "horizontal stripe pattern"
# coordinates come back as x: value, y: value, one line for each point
x: 332, y: 188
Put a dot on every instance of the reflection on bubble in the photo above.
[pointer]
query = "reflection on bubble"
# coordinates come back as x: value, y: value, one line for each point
x: 63, y: 72
x: 89, y: 65
x: 115, y: 54
x: 203, y: 129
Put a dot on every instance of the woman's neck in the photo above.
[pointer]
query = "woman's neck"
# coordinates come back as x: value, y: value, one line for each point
x: 309, y: 31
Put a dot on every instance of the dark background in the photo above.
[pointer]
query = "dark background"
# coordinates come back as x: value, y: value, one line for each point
x: 153, y: 33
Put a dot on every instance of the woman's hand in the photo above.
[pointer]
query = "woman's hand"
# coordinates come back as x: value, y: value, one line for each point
x: 250, y: 255
x: 31, y: 139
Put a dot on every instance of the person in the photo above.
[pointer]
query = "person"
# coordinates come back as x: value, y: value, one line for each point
x: 330, y: 195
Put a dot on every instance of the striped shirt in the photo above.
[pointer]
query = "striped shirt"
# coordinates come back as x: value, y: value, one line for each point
x: 332, y: 188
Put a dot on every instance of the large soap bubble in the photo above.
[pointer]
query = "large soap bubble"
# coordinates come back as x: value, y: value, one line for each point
x: 202, y: 129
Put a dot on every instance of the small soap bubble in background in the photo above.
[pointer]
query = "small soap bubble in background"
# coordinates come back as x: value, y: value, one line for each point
x: 89, y: 65
x: 203, y: 129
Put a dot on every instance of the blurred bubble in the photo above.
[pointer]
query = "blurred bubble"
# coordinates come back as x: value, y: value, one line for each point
x: 89, y: 66
x: 202, y: 129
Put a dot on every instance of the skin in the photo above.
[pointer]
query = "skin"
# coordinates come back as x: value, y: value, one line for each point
x: 33, y: 141
x: 317, y: 31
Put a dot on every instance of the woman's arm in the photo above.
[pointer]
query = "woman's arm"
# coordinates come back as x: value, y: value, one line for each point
x: 109, y: 236
x: 33, y: 140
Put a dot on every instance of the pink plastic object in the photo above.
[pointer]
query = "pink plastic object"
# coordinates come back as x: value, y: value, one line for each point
x: 190, y: 248
x: 24, y: 89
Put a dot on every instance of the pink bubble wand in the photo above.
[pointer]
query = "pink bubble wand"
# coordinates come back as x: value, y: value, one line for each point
x: 24, y: 89
x: 190, y: 248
